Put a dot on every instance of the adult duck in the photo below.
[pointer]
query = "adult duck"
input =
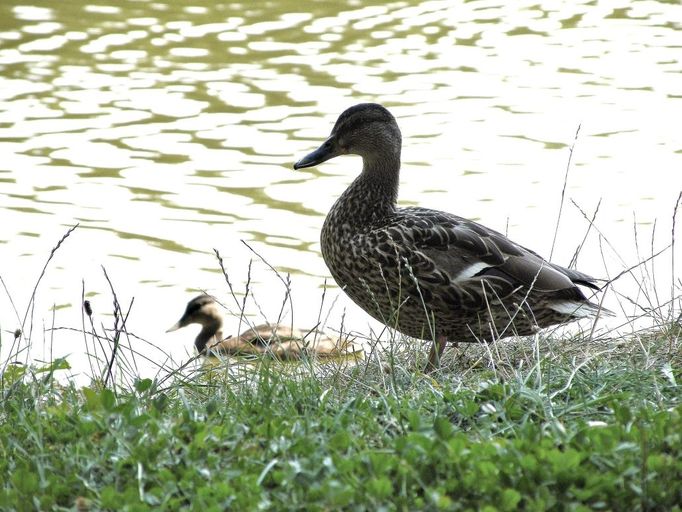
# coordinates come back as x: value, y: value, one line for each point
x: 275, y: 340
x: 430, y: 274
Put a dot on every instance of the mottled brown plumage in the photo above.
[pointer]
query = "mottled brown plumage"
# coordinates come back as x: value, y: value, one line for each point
x: 431, y: 274
x: 275, y: 340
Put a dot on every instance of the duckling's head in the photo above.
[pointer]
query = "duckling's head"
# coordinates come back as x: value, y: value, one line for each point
x: 202, y: 310
x: 367, y: 129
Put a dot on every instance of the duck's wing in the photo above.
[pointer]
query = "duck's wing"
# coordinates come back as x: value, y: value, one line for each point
x: 264, y: 335
x: 447, y: 254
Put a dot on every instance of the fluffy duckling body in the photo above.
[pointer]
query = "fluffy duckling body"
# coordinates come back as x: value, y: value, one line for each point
x: 276, y: 340
x: 431, y: 274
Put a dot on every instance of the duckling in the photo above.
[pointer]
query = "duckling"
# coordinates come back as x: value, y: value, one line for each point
x: 276, y: 340
x: 430, y: 274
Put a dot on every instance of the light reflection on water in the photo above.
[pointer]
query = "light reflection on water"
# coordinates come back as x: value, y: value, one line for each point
x: 167, y: 131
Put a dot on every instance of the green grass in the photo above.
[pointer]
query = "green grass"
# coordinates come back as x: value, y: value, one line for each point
x: 533, y: 425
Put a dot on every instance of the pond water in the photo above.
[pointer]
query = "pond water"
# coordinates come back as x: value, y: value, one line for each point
x: 167, y: 129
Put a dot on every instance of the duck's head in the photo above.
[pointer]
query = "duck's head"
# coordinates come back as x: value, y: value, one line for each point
x: 202, y: 310
x: 367, y: 129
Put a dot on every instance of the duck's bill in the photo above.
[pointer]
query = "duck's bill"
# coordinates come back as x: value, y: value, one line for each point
x: 175, y: 327
x: 321, y: 154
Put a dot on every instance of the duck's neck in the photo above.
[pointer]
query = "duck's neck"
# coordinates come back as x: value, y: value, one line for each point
x: 210, y: 331
x: 374, y: 193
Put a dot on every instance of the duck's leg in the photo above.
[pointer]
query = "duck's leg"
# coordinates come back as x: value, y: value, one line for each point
x: 435, y: 354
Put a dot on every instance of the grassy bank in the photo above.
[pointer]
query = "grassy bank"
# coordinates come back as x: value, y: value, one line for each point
x: 552, y: 422
x: 535, y: 425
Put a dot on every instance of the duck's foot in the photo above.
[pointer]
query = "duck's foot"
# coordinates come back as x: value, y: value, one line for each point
x: 435, y: 354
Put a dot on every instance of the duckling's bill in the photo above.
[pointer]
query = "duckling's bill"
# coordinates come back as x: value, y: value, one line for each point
x: 175, y: 327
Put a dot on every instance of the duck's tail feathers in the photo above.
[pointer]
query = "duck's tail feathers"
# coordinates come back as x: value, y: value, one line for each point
x: 580, y: 309
x: 578, y: 277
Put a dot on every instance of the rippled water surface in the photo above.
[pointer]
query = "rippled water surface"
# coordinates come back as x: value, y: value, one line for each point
x: 167, y: 129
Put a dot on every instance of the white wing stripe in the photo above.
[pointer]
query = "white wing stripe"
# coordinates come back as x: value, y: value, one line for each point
x: 470, y: 271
